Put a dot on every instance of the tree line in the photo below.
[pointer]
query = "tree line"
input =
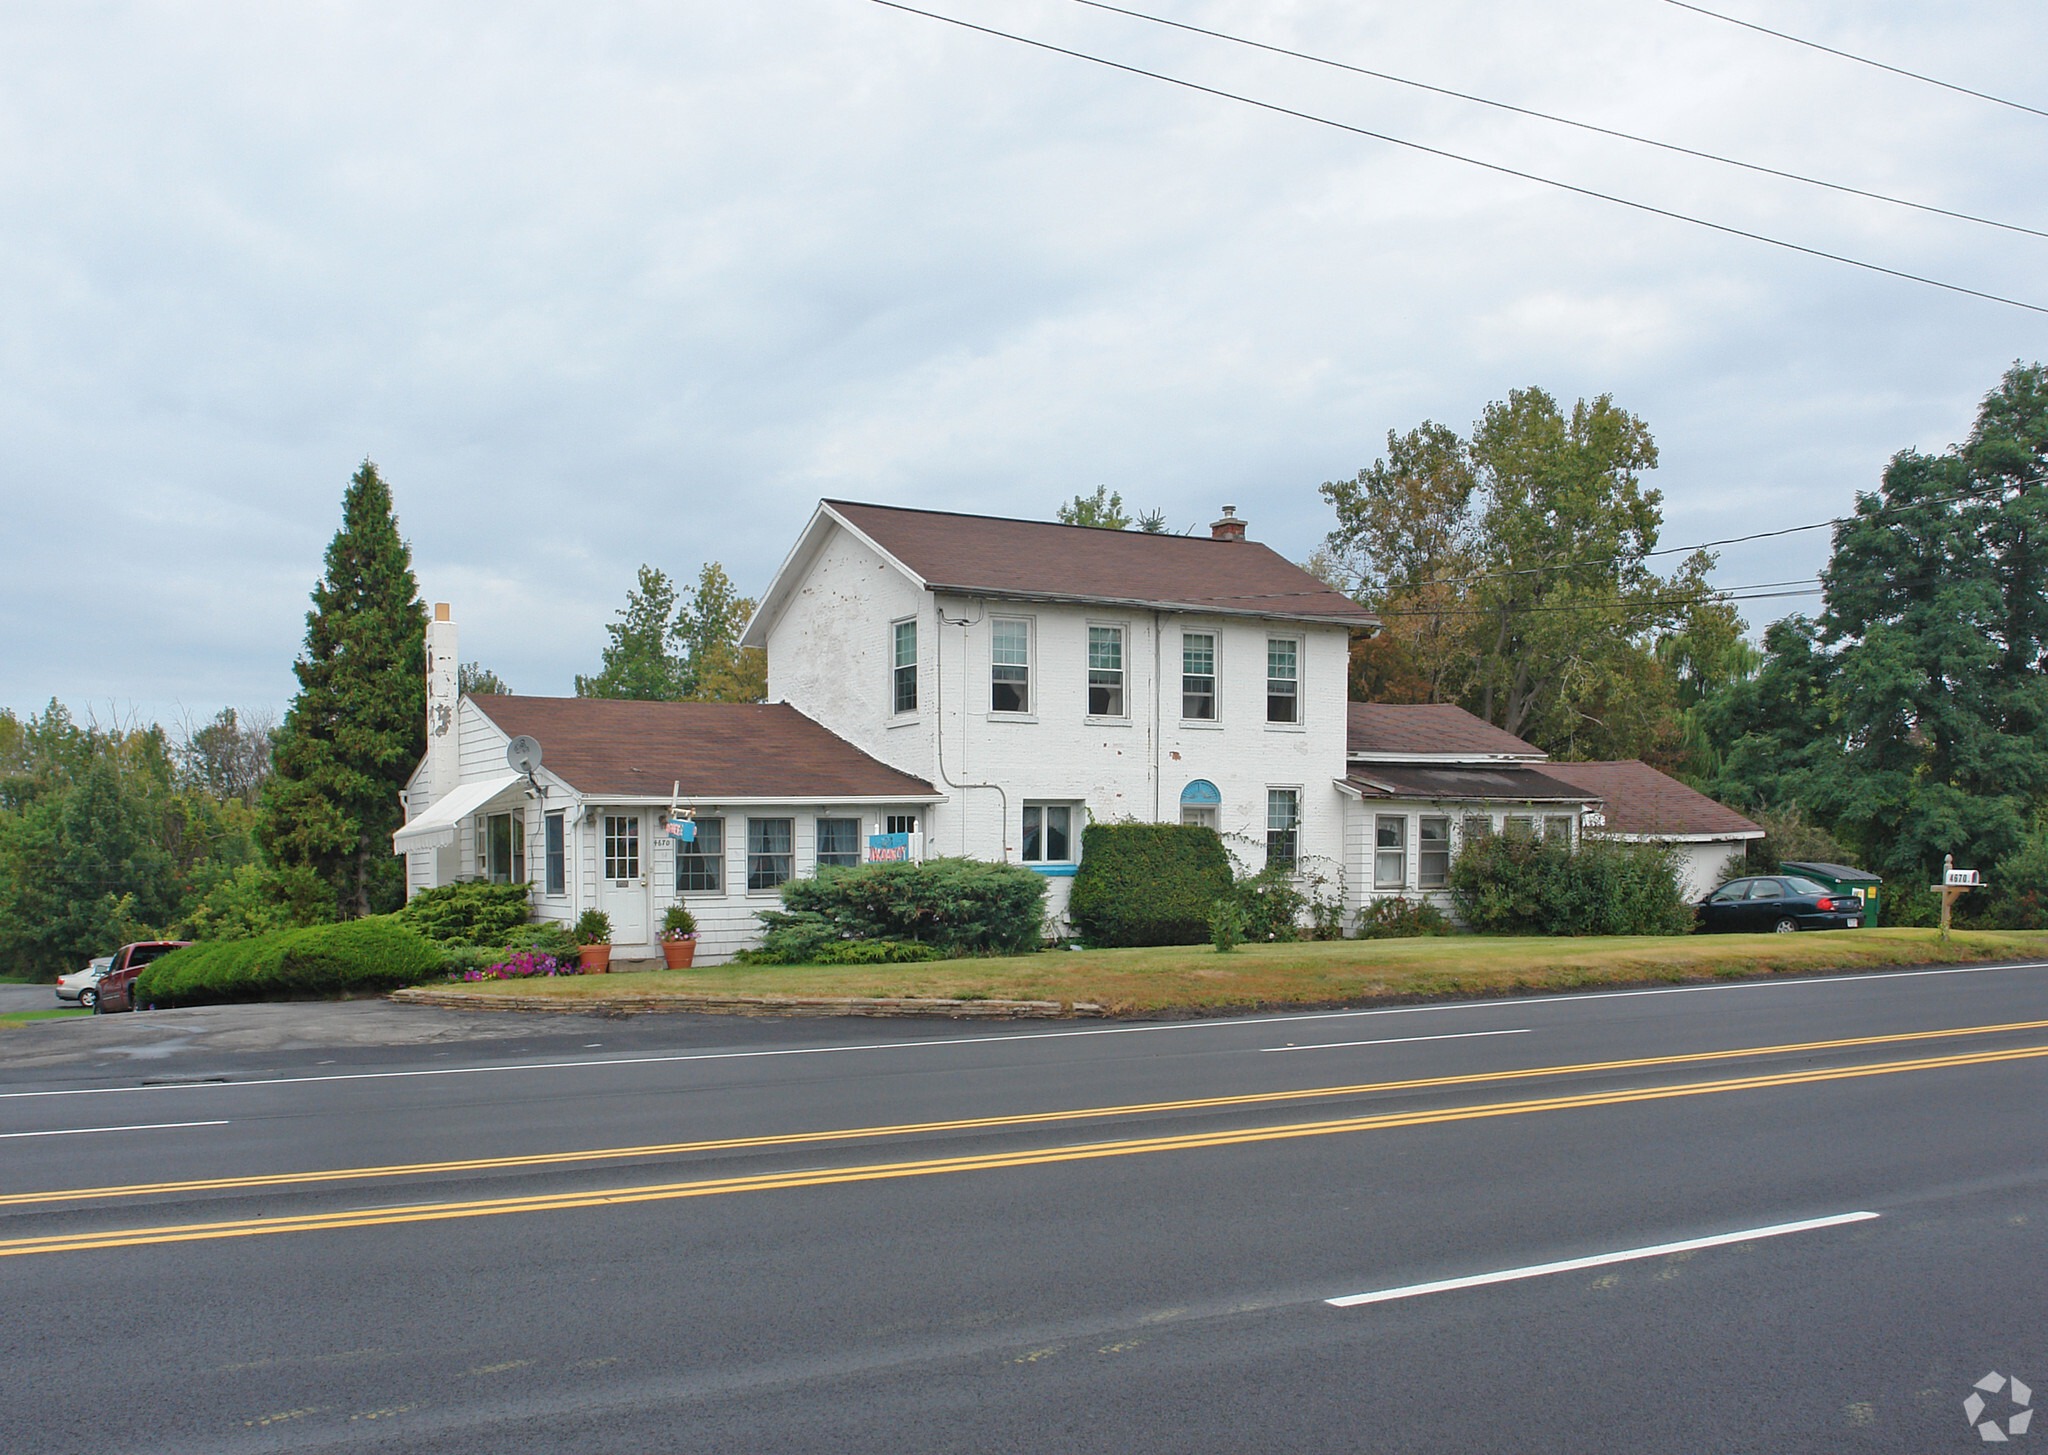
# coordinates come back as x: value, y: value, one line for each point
x: 112, y: 833
x: 1513, y: 570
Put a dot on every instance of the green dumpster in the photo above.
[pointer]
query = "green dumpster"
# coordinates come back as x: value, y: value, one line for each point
x: 1859, y: 882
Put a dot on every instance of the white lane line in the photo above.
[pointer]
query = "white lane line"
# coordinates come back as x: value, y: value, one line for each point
x: 1521, y: 1004
x: 1394, y: 1040
x: 1598, y: 1260
x: 81, y: 1131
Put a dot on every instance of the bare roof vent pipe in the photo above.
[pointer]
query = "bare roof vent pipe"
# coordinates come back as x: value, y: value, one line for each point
x: 1230, y: 528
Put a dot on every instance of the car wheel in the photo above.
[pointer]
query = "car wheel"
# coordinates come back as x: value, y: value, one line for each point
x: 1786, y: 926
x: 88, y: 999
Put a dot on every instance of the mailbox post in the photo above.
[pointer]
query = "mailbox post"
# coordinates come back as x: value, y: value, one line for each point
x: 1955, y: 883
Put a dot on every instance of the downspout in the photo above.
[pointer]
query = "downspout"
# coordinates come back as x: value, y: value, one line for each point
x: 939, y: 727
x: 1158, y: 695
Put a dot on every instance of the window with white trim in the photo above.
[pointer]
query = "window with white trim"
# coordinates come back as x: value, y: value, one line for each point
x: 621, y: 847
x: 1048, y: 833
x: 1198, y: 676
x: 1390, y: 851
x: 770, y: 857
x: 1009, y: 686
x: 1283, y: 827
x: 900, y: 823
x: 700, y: 862
x: 1106, y: 671
x: 903, y: 674
x: 1283, y: 679
x: 555, y: 837
x: 838, y: 843
x: 501, y: 847
x: 1432, y: 853
x: 1558, y: 827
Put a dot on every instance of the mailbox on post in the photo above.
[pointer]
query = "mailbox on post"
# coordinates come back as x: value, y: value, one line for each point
x: 1954, y: 884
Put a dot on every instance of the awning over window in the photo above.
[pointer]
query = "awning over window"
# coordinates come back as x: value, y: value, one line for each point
x: 437, y: 826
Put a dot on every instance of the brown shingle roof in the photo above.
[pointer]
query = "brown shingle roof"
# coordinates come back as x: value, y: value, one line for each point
x: 1640, y: 800
x: 715, y: 749
x: 976, y: 554
x: 1430, y: 727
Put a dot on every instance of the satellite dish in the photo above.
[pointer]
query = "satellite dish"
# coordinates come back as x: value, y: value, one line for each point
x: 523, y: 754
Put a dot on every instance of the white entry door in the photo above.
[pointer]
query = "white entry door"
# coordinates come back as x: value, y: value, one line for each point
x: 622, y: 889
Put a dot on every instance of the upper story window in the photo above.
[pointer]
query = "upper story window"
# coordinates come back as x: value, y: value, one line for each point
x: 1048, y: 833
x: 903, y: 674
x: 1198, y: 676
x: 1009, y: 686
x: 1283, y: 679
x: 1106, y: 671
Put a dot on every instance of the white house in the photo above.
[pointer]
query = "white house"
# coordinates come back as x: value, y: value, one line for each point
x: 1043, y: 676
x: 977, y: 686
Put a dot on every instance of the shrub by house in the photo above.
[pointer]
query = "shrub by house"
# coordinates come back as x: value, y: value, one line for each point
x: 1148, y: 883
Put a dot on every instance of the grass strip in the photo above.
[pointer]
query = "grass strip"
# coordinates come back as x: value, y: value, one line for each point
x: 1195, y: 979
x: 22, y: 1017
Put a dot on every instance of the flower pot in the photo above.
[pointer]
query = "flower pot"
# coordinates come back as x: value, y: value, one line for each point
x: 594, y: 959
x: 680, y: 954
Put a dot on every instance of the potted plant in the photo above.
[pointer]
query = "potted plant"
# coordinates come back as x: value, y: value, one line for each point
x: 594, y: 942
x: 678, y: 937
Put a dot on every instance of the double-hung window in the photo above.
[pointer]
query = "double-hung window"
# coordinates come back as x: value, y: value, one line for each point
x: 769, y: 854
x: 1009, y: 686
x: 1558, y: 826
x: 1476, y: 826
x: 1283, y: 827
x: 1048, y: 833
x: 903, y: 674
x: 555, y: 840
x: 1519, y: 826
x: 1390, y: 851
x: 1198, y: 676
x: 838, y: 843
x: 1283, y: 679
x: 501, y: 847
x: 1432, y: 853
x: 700, y: 862
x: 1106, y: 671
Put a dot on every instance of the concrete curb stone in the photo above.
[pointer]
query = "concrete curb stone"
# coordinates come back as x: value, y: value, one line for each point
x: 754, y: 1005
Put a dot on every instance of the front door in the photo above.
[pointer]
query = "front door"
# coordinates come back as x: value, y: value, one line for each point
x: 622, y: 890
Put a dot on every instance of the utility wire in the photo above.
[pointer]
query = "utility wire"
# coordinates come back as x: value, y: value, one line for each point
x: 1563, y: 120
x: 1720, y: 227
x: 1860, y: 60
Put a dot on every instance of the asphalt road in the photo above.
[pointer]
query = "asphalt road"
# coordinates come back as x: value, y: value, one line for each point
x: 706, y: 1234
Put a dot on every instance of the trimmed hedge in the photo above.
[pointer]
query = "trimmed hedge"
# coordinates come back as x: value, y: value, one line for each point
x: 954, y: 906
x: 1148, y: 883
x: 468, y: 914
x: 371, y: 954
x: 1516, y: 884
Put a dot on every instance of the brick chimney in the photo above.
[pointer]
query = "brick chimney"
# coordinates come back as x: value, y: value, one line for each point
x: 444, y: 765
x: 1230, y: 528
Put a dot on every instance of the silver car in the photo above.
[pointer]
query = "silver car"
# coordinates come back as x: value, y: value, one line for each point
x: 83, y: 986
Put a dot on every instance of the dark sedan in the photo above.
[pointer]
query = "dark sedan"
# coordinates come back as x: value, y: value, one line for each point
x: 1783, y: 903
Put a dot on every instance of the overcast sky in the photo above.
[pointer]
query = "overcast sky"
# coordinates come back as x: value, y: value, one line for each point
x: 611, y: 283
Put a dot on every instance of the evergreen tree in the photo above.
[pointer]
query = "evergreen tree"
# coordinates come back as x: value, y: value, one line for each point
x: 357, y: 727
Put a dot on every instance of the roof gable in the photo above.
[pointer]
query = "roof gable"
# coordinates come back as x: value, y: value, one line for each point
x: 731, y: 750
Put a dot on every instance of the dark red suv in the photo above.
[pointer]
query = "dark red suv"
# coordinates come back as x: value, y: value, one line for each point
x: 117, y: 986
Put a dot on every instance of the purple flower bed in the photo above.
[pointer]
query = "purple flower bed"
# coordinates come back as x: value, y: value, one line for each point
x: 524, y: 966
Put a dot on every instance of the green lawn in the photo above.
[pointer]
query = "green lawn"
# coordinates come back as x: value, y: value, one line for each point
x: 21, y: 1017
x: 1197, y: 978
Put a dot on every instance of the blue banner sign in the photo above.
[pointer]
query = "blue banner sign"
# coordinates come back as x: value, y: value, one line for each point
x: 888, y: 848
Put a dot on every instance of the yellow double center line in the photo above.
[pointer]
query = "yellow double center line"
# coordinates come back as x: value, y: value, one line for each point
x: 936, y: 1166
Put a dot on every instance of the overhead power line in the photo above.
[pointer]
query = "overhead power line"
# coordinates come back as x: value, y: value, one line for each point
x: 1506, y: 171
x: 1860, y: 60
x: 1800, y: 177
